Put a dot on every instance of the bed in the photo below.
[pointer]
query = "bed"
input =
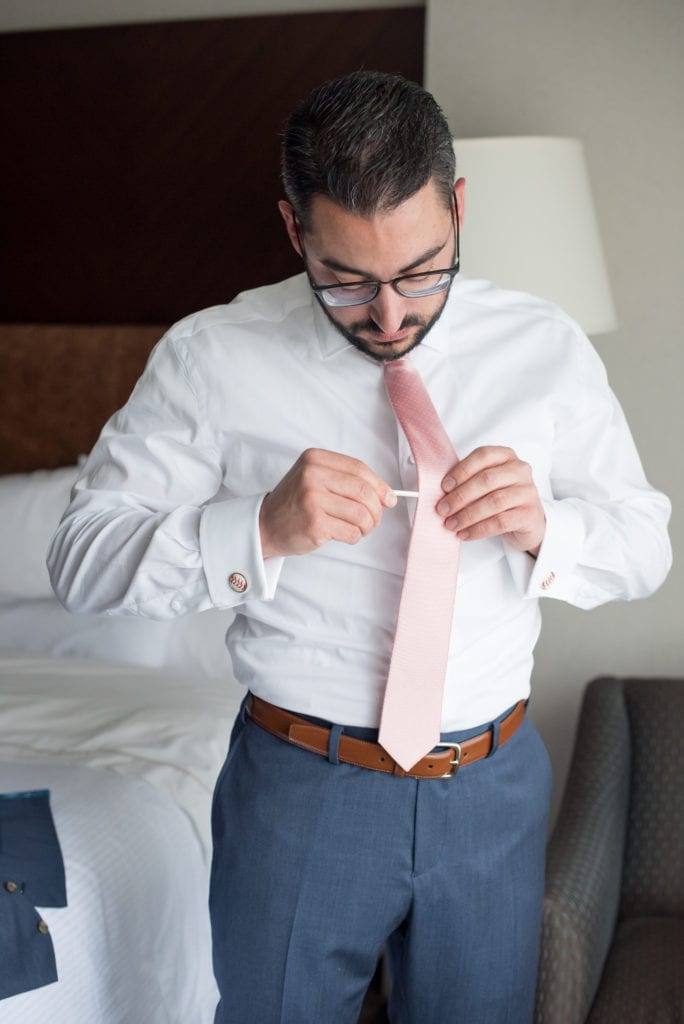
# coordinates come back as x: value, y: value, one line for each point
x: 124, y: 722
x: 129, y: 761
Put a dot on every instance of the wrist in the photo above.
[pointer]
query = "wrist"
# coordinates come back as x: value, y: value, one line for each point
x: 268, y: 549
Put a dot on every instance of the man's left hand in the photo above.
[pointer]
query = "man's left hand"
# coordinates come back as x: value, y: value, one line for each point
x: 491, y: 493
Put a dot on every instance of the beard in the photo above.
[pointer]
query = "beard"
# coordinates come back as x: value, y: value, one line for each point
x: 388, y: 353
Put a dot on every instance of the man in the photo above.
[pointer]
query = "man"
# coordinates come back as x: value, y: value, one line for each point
x: 254, y: 467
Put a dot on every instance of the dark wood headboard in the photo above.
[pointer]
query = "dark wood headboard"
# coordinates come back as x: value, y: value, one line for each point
x: 141, y: 177
x: 142, y: 162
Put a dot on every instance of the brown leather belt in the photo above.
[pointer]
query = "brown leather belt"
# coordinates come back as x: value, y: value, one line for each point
x: 316, y: 738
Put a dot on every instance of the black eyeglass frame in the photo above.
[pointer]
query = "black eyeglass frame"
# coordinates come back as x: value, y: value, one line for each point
x: 322, y: 290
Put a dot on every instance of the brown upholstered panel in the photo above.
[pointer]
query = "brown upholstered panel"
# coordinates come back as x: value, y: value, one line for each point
x: 59, y: 386
x: 142, y: 161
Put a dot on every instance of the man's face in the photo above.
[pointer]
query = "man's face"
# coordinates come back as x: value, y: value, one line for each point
x: 343, y: 247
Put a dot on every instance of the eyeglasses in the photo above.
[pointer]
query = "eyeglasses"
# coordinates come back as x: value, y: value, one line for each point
x: 411, y: 286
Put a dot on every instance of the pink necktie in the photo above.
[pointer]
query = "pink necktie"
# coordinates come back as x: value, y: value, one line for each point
x: 412, y: 708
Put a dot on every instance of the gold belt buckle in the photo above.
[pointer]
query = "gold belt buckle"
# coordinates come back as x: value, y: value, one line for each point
x: 456, y: 763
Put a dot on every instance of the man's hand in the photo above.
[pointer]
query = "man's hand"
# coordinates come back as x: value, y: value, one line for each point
x: 325, y: 496
x: 491, y: 493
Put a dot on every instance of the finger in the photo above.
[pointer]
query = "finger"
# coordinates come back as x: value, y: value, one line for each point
x: 511, y: 521
x: 488, y: 481
x: 449, y: 481
x: 479, y: 459
x: 322, y: 457
x: 494, y: 505
x: 357, y: 490
x: 314, y: 519
x: 352, y: 501
x: 340, y: 530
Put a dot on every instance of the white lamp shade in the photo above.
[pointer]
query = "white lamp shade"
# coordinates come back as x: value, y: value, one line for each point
x: 530, y: 225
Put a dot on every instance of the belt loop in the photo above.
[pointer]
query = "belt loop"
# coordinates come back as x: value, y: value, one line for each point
x: 494, y: 729
x: 334, y: 744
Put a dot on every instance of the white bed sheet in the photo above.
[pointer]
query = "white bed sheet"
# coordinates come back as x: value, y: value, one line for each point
x: 133, y: 944
x: 130, y: 756
x: 170, y: 731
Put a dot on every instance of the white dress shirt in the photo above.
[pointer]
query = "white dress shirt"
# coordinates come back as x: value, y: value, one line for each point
x: 164, y: 517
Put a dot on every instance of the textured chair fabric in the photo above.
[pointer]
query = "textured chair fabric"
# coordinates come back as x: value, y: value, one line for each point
x: 642, y: 981
x: 653, y: 878
x: 613, y: 930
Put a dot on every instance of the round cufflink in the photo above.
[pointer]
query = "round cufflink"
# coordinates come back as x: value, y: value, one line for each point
x: 237, y: 582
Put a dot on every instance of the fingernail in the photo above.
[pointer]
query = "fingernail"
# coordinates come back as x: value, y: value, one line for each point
x: 443, y: 508
x: 390, y: 499
x: 448, y: 484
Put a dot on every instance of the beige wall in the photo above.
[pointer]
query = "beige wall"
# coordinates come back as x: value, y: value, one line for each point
x: 611, y: 74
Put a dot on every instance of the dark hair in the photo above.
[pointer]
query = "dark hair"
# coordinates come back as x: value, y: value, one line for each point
x: 367, y: 141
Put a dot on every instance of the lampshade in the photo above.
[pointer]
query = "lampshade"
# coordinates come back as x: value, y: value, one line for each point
x: 530, y: 224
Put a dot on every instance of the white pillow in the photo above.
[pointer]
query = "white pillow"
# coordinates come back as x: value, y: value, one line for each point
x: 31, y: 618
x: 193, y: 644
x: 31, y: 506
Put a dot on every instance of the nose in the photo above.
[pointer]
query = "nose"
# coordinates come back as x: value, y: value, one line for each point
x: 388, y: 309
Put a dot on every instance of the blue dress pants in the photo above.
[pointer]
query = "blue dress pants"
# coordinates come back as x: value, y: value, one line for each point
x: 319, y: 866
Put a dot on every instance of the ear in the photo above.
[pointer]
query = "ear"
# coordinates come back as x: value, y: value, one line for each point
x: 288, y: 215
x: 459, y: 195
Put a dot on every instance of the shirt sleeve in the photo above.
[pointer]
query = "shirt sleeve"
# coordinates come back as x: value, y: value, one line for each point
x: 151, y: 530
x: 606, y: 528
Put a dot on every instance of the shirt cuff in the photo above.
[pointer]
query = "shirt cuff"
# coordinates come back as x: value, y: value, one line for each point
x: 553, y: 572
x: 230, y: 546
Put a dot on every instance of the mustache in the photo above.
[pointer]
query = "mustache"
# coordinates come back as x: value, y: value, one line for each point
x: 370, y: 325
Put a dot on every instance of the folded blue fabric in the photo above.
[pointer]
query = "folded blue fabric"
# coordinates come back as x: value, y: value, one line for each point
x: 31, y: 873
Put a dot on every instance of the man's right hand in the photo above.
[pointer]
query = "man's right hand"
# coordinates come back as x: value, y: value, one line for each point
x: 325, y: 496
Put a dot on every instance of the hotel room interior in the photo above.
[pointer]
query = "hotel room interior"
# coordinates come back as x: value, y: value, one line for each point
x: 140, y: 182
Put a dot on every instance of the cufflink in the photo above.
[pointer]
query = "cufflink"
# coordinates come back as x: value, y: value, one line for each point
x: 548, y: 580
x: 238, y: 582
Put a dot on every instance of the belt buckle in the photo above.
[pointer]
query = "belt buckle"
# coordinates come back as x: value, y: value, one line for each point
x: 456, y: 747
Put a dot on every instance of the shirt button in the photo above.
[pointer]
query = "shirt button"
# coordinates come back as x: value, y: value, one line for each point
x: 43, y: 928
x: 238, y: 582
x: 11, y: 886
x: 548, y: 580
x: 176, y: 604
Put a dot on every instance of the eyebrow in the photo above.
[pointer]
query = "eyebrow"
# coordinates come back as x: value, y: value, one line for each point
x: 332, y: 264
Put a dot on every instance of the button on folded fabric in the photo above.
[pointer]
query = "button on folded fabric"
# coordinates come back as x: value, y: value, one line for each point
x: 30, y: 854
x: 32, y: 870
x: 28, y: 956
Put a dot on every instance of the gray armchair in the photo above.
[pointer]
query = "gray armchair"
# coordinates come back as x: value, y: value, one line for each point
x: 613, y: 932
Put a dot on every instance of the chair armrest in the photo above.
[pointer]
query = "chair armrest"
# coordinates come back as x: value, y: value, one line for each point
x: 584, y: 859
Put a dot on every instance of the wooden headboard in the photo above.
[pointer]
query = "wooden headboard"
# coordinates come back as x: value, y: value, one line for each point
x: 141, y: 177
x: 144, y: 160
x: 60, y: 383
